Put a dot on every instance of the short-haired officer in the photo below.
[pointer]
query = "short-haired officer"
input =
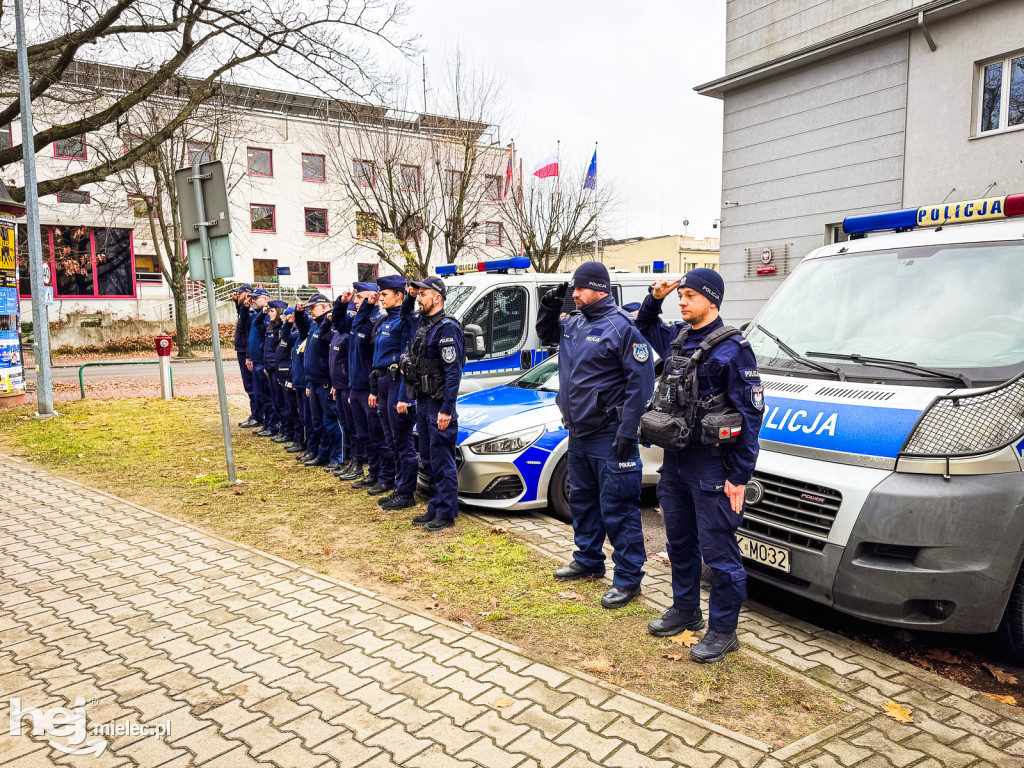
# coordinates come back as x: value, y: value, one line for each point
x: 433, y: 371
x: 240, y: 296
x: 369, y: 436
x: 702, y: 483
x: 314, y: 314
x: 605, y: 377
x: 254, y: 354
x: 272, y: 337
x: 291, y: 421
x: 341, y: 322
x: 391, y: 338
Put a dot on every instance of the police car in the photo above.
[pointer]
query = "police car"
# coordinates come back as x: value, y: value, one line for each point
x: 511, y: 448
x: 496, y: 303
x: 889, y: 484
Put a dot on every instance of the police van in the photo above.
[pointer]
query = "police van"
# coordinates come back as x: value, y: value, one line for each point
x: 889, y: 484
x: 496, y: 302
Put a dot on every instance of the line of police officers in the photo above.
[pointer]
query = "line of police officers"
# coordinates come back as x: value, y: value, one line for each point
x: 343, y: 384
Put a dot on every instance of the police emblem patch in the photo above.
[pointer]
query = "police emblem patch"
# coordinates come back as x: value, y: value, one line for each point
x: 757, y: 397
x: 448, y: 354
x: 641, y: 352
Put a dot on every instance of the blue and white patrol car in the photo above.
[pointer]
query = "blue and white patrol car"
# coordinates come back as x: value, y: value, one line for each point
x: 889, y: 484
x: 511, y: 452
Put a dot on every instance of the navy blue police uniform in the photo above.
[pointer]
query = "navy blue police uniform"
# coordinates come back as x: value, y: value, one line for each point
x: 439, y: 348
x: 271, y: 338
x: 341, y: 324
x: 310, y: 434
x: 318, y: 382
x: 254, y: 354
x: 699, y: 519
x: 241, y: 340
x: 369, y: 436
x: 606, y: 376
x: 282, y: 378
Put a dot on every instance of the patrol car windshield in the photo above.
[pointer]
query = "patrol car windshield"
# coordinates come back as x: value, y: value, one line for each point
x: 543, y: 377
x: 950, y: 307
x: 457, y: 295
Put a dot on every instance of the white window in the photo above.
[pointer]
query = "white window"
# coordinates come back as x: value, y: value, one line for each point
x: 644, y: 269
x: 1001, y: 94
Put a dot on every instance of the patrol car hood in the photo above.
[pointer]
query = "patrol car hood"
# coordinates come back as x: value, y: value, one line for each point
x: 486, y: 411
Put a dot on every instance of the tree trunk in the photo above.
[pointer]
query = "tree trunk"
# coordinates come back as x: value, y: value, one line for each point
x: 178, y: 285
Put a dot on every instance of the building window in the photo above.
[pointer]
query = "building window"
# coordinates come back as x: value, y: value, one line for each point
x: 147, y: 268
x: 492, y: 232
x: 711, y: 266
x: 367, y: 273
x: 492, y: 187
x: 410, y: 175
x: 199, y: 150
x: 6, y: 137
x: 366, y: 225
x: 264, y: 270
x: 140, y: 205
x: 313, y: 167
x: 262, y: 218
x: 260, y: 162
x: 86, y: 262
x: 74, y: 196
x: 318, y: 272
x: 1001, y: 88
x: 316, y: 221
x: 454, y: 183
x: 364, y: 173
x: 71, y: 148
x: 689, y: 265
x: 644, y: 269
x: 834, y: 234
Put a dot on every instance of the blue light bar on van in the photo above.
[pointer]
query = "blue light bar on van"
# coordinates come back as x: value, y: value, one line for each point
x: 937, y: 215
x: 494, y: 265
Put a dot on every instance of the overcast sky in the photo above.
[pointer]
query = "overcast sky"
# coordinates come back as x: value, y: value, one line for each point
x: 619, y: 73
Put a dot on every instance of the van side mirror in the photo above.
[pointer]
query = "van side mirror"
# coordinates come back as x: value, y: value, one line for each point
x: 526, y: 359
x: 743, y: 328
x: 474, y: 342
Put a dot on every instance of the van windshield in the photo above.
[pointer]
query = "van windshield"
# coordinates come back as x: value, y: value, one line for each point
x: 457, y: 295
x: 952, y: 307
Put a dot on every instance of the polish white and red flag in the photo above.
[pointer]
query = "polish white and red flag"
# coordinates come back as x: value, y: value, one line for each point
x: 548, y: 167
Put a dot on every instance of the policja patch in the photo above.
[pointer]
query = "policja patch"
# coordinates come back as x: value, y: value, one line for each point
x: 641, y: 352
x: 448, y: 354
x: 757, y: 397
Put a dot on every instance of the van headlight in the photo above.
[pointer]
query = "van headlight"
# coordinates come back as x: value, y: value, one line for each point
x: 965, y: 425
x: 513, y: 443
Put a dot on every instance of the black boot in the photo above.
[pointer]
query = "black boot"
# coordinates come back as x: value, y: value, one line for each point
x: 281, y: 438
x: 574, y: 571
x: 714, y: 646
x: 265, y: 432
x: 317, y: 461
x: 296, y: 448
x: 354, y: 472
x: 367, y: 482
x: 675, y: 621
x: 305, y: 456
x: 401, y: 501
x: 380, y: 488
x: 618, y: 597
x: 422, y: 520
x: 249, y: 423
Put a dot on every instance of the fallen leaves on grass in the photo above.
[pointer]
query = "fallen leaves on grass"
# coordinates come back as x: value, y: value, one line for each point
x: 498, y: 529
x: 898, y: 712
x: 1001, y: 674
x: 687, y: 638
x: 467, y: 624
x: 432, y: 606
x: 570, y: 595
x: 493, y: 602
x: 944, y: 656
x: 805, y: 705
x: 923, y: 663
x: 673, y: 656
x: 502, y: 703
x: 1002, y: 699
x: 601, y: 664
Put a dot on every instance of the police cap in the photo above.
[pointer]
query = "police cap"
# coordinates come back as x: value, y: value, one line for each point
x: 391, y: 283
x: 434, y: 284
x: 277, y: 304
x: 360, y: 287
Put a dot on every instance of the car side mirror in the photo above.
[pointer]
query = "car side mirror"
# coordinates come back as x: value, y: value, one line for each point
x: 474, y: 342
x: 526, y: 359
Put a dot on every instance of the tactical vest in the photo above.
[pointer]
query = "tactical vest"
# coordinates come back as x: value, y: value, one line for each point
x: 676, y: 417
x: 423, y: 375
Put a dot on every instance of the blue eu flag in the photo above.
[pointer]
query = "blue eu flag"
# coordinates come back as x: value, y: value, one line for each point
x: 591, y: 181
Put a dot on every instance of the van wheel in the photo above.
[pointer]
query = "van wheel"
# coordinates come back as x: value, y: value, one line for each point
x: 1011, y: 629
x: 558, y: 492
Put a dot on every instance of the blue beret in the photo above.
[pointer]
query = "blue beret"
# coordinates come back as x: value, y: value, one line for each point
x: 360, y: 287
x: 317, y: 298
x: 259, y: 292
x: 289, y: 312
x: 391, y: 282
x: 277, y: 304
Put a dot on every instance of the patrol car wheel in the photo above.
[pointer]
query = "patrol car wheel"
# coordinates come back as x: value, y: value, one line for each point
x: 1011, y: 630
x: 558, y: 492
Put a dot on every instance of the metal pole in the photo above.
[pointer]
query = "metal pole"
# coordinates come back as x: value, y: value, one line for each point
x: 40, y: 318
x: 165, y: 377
x: 211, y: 309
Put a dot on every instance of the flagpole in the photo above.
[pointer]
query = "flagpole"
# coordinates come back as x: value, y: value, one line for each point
x: 594, y: 201
x: 522, y: 243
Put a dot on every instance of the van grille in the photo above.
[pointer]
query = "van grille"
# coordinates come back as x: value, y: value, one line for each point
x: 855, y: 394
x: 792, y: 512
x: 784, y: 386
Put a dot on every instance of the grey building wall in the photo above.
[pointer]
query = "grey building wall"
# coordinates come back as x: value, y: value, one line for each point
x: 759, y: 31
x: 944, y: 149
x: 803, y: 151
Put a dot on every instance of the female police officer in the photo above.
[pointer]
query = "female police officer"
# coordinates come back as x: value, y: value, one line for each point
x: 707, y: 465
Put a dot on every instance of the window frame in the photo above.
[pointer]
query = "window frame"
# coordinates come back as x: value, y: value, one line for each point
x: 10, y: 135
x: 305, y: 222
x: 273, y: 217
x: 158, y: 280
x: 85, y: 150
x: 207, y: 150
x: 501, y: 233
x: 373, y: 172
x: 455, y: 189
x: 359, y: 275
x: 88, y: 197
x: 274, y: 277
x: 49, y: 258
x: 323, y: 160
x: 524, y: 333
x: 248, y: 158
x: 488, y: 177
x: 1006, y: 64
x: 419, y: 177
x: 309, y: 277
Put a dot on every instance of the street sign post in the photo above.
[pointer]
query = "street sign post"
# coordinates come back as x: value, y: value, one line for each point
x: 192, y: 184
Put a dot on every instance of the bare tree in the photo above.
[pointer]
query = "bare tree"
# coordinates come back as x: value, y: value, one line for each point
x: 553, y: 218
x: 182, y: 50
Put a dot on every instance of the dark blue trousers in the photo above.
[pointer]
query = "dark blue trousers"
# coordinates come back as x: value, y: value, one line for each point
x: 423, y: 441
x: 264, y: 399
x: 700, y: 522
x: 369, y: 437
x: 286, y: 407
x: 398, y: 432
x: 325, y: 416
x: 247, y: 383
x: 444, y: 502
x: 348, y: 427
x: 604, y: 496
x: 314, y: 430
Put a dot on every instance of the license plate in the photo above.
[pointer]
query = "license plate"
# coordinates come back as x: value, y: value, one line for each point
x: 766, y: 554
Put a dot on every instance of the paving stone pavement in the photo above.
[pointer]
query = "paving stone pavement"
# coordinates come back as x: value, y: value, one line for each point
x: 249, y: 660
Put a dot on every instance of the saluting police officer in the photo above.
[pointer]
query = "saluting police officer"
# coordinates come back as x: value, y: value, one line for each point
x: 433, y: 371
x: 605, y: 376
x: 254, y: 355
x: 314, y: 316
x: 369, y: 436
x: 240, y: 296
x: 709, y: 432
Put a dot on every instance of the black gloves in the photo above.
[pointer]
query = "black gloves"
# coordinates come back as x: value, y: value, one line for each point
x: 624, y: 447
x: 554, y: 298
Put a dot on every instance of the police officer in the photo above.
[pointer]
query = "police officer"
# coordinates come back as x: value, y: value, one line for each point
x: 432, y: 370
x: 314, y: 314
x: 391, y: 338
x: 341, y: 324
x: 291, y: 422
x: 369, y: 436
x: 241, y: 298
x: 254, y: 354
x: 310, y: 444
x: 605, y: 376
x: 271, y: 338
x: 701, y: 486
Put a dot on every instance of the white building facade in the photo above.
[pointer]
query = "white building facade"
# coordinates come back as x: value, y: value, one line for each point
x: 841, y: 108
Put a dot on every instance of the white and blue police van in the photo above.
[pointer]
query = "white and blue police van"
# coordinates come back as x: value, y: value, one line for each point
x: 890, y: 482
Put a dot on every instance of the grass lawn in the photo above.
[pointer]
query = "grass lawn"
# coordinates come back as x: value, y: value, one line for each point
x: 168, y: 456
